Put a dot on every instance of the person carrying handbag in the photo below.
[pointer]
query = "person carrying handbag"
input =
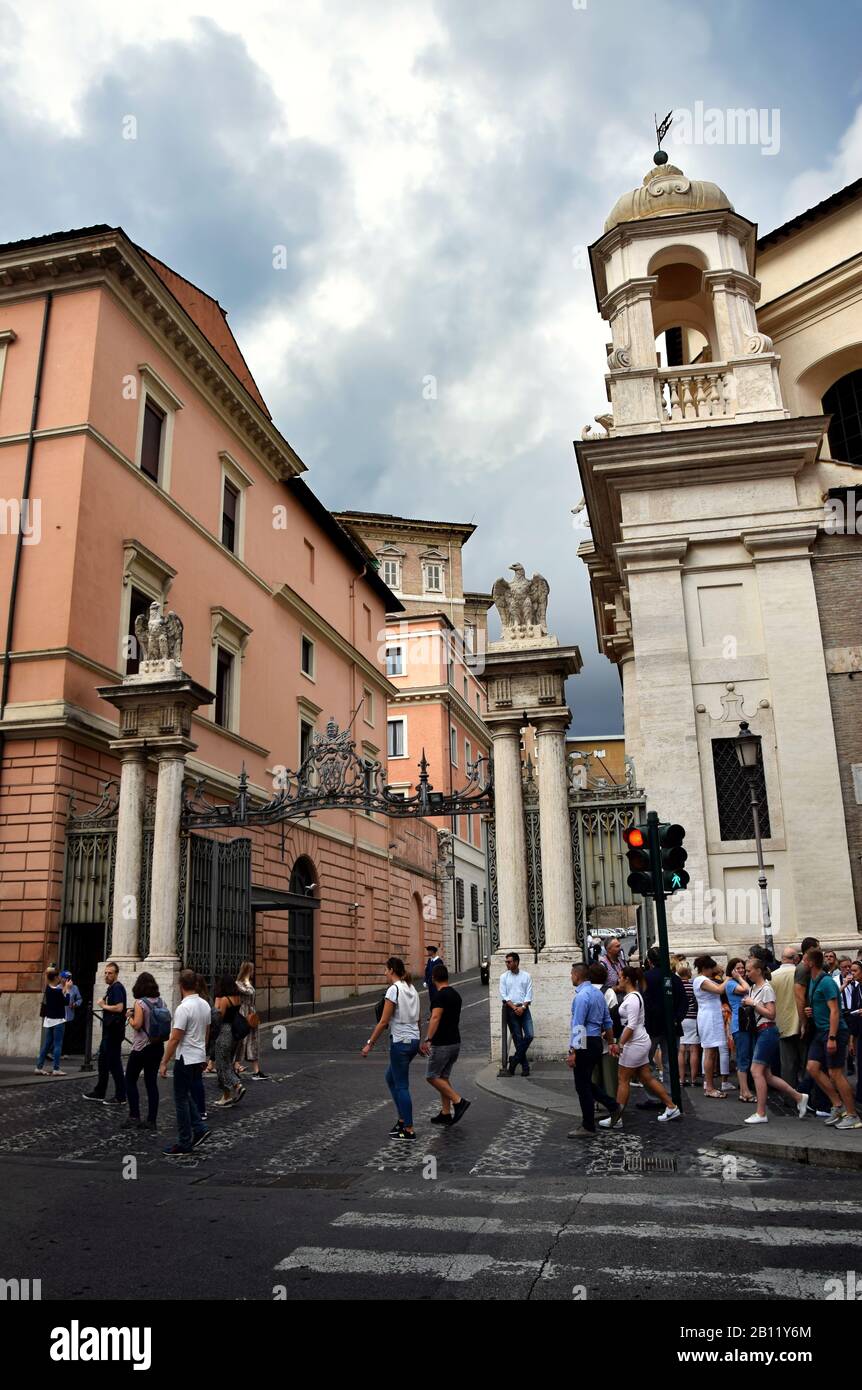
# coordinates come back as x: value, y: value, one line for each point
x: 233, y: 1028
x: 247, y: 1047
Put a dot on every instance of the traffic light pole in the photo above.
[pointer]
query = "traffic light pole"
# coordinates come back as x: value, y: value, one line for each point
x: 654, y: 846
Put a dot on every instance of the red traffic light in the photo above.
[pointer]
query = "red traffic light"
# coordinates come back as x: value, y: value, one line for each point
x: 634, y: 837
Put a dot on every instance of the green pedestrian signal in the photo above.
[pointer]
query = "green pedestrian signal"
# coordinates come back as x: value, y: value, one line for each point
x: 673, y: 857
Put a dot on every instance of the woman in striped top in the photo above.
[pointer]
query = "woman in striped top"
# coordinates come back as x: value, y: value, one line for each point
x: 689, y: 1047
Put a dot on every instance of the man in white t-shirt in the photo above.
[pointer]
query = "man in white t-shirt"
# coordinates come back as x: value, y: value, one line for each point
x: 188, y: 1043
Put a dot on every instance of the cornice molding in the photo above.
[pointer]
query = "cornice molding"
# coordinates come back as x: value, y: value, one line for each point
x: 110, y: 259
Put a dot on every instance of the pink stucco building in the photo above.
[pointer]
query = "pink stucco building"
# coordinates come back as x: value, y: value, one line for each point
x: 137, y: 459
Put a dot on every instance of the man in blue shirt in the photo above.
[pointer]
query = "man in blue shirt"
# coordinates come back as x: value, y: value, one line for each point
x: 516, y: 992
x: 590, y: 1022
x: 828, y: 1051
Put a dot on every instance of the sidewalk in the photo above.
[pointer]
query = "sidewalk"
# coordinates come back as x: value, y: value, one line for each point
x: 549, y: 1087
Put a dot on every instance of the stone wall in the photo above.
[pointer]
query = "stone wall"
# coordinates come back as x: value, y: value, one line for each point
x: 838, y: 586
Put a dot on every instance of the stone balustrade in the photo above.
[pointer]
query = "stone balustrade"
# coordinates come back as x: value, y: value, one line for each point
x: 699, y: 392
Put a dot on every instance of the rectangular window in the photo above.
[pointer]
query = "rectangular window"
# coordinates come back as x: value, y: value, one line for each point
x: 396, y: 741
x: 306, y: 659
x: 453, y: 745
x: 459, y: 899
x: 433, y: 579
x: 395, y: 661
x: 478, y: 703
x: 474, y: 902
x: 306, y: 739
x: 229, y: 515
x: 139, y: 606
x: 468, y: 754
x: 224, y: 677
x: 466, y: 692
x: 368, y: 705
x: 392, y: 574
x: 151, y: 440
x: 735, y: 819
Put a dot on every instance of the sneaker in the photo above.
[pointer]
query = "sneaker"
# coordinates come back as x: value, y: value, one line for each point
x: 407, y: 1138
x: 849, y: 1122
x: 240, y: 1092
x: 671, y: 1113
x: 57, y: 1073
x: 802, y: 1107
x: 200, y: 1137
x: 222, y: 1104
x: 114, y: 1102
x: 459, y: 1109
x: 614, y: 1121
x: 204, y: 1116
x: 258, y: 1076
x: 836, y: 1113
x: 728, y: 1086
x: 399, y: 1125
x: 639, y: 1084
x: 175, y: 1151
x: 40, y: 1071
x: 92, y: 1095
x: 756, y: 1119
x: 823, y: 1114
x: 440, y: 1119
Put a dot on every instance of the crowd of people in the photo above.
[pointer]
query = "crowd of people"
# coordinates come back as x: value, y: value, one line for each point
x: 792, y: 1027
x: 201, y: 1038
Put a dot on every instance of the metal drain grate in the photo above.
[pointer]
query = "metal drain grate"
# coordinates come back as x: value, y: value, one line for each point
x: 649, y: 1163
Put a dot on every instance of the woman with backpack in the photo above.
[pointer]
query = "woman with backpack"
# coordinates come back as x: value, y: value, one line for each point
x: 399, y: 1012
x: 633, y: 1050
x: 150, y: 1020
x: 231, y: 1029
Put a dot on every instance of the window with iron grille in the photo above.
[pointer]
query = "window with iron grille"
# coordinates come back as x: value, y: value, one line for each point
x: 474, y: 903
x: 732, y: 792
x: 459, y: 899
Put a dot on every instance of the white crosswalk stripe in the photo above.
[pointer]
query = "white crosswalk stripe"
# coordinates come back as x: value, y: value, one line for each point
x: 462, y: 1225
x: 392, y: 1264
x: 307, y: 1148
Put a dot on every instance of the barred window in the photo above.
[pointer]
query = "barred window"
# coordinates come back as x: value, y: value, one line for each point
x: 459, y: 899
x: 732, y: 792
x: 474, y: 903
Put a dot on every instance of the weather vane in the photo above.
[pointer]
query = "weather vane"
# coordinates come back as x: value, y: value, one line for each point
x: 661, y: 130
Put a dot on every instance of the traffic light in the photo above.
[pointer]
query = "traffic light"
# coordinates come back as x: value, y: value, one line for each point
x: 673, y: 857
x: 640, y: 878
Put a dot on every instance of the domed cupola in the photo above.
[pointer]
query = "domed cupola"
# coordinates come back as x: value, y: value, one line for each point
x: 664, y: 192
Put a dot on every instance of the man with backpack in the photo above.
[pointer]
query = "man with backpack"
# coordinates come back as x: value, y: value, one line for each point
x: 188, y: 1041
x: 110, y: 1059
x: 150, y: 1020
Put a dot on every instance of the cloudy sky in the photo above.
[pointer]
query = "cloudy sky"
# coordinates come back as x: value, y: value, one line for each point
x: 432, y: 170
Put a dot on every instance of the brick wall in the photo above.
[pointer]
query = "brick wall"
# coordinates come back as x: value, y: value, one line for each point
x: 838, y: 585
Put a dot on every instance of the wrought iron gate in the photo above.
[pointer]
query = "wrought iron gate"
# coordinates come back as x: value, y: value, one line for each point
x: 219, y: 926
x: 597, y: 818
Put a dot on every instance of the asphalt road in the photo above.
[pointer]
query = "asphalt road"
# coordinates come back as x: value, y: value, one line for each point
x: 300, y: 1193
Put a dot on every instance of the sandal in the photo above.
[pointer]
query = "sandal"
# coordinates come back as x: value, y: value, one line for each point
x: 715, y: 1095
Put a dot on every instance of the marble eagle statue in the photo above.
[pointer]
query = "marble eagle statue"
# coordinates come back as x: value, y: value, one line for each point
x: 522, y: 604
x: 160, y: 638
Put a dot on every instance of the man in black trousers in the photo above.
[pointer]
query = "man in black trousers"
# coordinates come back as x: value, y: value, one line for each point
x: 110, y: 1059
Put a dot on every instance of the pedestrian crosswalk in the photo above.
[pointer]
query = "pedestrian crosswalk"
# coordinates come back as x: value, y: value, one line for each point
x: 581, y: 1244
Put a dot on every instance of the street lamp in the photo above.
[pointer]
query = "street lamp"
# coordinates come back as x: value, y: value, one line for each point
x: 747, y: 748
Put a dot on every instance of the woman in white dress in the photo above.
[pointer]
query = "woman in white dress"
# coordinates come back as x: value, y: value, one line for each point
x: 633, y: 1051
x: 710, y: 1022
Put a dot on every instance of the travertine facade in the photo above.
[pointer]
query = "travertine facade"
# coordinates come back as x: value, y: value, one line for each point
x: 706, y: 504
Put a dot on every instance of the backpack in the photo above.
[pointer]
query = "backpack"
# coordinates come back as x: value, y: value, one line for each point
x: 378, y: 1007
x: 159, y: 1016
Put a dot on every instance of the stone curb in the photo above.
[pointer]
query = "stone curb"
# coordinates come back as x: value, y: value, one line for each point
x: 831, y: 1154
x: 522, y: 1092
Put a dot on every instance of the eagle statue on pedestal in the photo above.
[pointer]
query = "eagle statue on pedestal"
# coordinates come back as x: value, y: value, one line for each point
x: 159, y: 638
x: 522, y: 604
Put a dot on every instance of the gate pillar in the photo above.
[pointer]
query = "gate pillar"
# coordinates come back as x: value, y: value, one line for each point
x: 156, y: 707
x: 524, y: 677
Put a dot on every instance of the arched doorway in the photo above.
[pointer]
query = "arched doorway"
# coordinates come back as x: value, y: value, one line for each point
x: 300, y: 941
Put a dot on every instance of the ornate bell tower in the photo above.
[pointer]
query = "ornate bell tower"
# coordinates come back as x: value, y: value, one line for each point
x: 704, y: 502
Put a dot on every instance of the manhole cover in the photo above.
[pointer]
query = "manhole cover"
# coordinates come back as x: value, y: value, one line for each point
x: 649, y: 1163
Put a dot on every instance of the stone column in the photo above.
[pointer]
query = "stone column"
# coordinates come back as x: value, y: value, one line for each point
x: 558, y: 884
x: 127, y: 867
x: 162, y: 959
x: 511, y: 841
